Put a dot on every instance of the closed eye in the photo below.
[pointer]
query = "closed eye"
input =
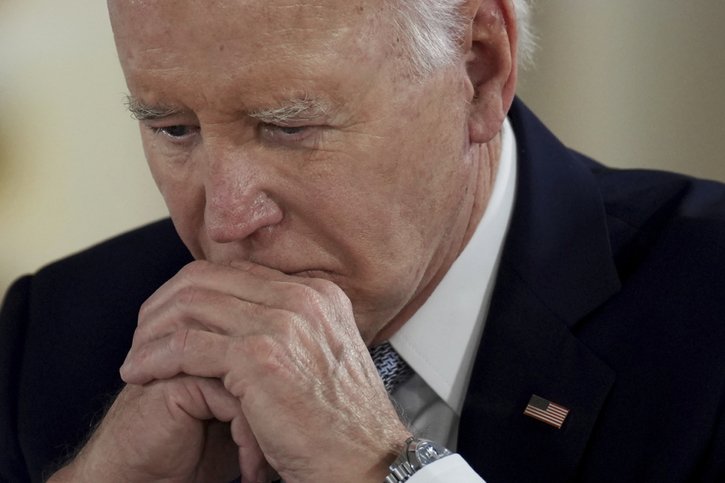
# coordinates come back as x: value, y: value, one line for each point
x: 280, y: 134
x: 176, y: 132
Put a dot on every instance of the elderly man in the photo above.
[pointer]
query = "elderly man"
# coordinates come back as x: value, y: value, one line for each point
x: 341, y: 174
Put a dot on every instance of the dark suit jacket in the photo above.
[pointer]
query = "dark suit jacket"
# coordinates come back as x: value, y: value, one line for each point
x: 610, y: 300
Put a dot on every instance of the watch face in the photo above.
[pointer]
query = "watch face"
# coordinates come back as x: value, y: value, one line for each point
x: 427, y: 452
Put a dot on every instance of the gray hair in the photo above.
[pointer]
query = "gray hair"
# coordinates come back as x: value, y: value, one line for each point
x: 431, y: 29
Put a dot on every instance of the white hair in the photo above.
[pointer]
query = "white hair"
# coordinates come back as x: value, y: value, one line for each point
x: 432, y: 28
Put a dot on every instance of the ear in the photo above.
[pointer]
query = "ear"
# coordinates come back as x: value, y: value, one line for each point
x: 490, y: 54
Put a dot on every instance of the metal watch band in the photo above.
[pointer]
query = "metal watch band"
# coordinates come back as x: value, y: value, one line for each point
x: 417, y: 453
x: 399, y: 473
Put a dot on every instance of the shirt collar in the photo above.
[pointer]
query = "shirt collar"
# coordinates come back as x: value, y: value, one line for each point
x: 440, y: 340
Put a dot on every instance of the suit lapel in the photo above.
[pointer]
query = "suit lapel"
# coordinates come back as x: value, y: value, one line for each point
x: 555, y: 269
x: 527, y: 350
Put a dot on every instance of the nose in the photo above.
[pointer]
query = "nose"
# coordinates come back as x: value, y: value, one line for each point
x: 237, y: 200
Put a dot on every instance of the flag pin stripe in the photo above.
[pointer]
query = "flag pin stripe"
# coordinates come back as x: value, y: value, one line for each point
x: 546, y: 411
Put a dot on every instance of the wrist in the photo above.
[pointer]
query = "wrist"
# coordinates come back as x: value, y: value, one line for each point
x: 90, y: 465
x: 77, y: 471
x: 394, y: 451
x: 63, y: 475
x: 416, y: 454
x: 378, y: 460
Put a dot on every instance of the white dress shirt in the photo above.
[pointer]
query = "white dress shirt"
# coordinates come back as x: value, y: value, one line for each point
x: 440, y: 341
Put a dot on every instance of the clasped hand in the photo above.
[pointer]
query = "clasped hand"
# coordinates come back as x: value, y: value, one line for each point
x: 245, y: 369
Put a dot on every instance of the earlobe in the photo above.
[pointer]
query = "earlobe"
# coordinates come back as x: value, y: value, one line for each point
x: 490, y: 54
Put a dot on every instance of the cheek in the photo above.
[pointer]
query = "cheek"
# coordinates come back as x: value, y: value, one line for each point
x: 170, y: 170
x: 186, y: 208
x: 184, y: 197
x: 430, y: 183
x: 157, y: 163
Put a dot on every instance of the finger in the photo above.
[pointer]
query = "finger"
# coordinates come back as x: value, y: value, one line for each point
x: 198, y: 397
x: 252, y: 463
x: 220, y: 457
x: 217, y: 401
x: 188, y: 351
x: 260, y: 271
x: 207, y: 399
x: 203, y: 309
x: 244, y: 284
x: 216, y: 277
x: 322, y: 285
x: 220, y: 405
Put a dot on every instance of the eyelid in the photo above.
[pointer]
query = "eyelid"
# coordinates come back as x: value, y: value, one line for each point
x: 163, y: 130
x: 273, y: 133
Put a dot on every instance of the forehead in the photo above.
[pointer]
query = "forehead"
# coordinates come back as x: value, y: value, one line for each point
x: 159, y: 20
x: 217, y: 37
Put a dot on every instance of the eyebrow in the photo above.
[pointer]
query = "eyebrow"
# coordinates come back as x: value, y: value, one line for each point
x: 296, y: 109
x: 144, y: 112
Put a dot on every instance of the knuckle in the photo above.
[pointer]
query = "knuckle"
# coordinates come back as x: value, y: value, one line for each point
x: 306, y: 297
x: 145, y: 310
x: 294, y: 295
x: 253, y: 268
x: 180, y: 341
x: 241, y: 264
x: 328, y: 300
x: 187, y: 296
x: 194, y: 269
x: 289, y: 326
x: 340, y: 299
x: 331, y: 291
x: 266, y: 352
x: 324, y: 286
x: 300, y: 291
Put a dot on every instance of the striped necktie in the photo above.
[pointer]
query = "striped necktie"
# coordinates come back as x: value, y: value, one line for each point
x: 392, y: 368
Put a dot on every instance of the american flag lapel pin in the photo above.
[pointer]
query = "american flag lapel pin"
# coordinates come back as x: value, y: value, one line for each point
x: 546, y: 411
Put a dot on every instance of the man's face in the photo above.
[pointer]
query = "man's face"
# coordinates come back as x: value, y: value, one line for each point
x: 288, y: 133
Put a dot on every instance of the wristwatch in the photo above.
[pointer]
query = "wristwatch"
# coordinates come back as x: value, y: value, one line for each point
x: 417, y: 454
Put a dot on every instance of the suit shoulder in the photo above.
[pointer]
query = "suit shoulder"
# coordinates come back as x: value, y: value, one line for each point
x: 151, y: 246
x: 646, y: 208
x: 71, y: 325
x: 667, y: 233
x: 124, y: 267
x: 640, y: 196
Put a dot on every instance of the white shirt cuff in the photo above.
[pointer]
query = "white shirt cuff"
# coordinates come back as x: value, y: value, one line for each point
x: 445, y: 470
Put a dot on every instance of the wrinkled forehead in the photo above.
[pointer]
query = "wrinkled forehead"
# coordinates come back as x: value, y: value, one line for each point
x: 234, y: 55
x: 204, y: 40
x: 259, y: 22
